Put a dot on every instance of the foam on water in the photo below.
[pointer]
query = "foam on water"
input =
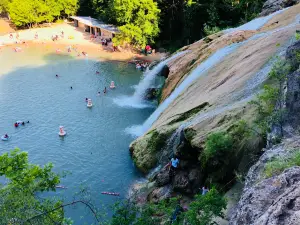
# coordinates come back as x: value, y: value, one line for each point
x: 137, y: 99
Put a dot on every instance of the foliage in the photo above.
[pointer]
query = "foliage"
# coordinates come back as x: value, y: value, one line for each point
x: 297, y: 36
x: 205, y: 208
x: 4, y: 5
x: 278, y: 165
x: 18, y: 198
x: 208, y: 30
x: 127, y: 213
x: 270, y: 102
x: 138, y: 21
x: 28, y: 12
x: 217, y: 144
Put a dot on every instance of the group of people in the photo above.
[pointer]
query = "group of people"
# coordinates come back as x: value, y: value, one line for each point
x: 141, y: 66
x: 18, y: 123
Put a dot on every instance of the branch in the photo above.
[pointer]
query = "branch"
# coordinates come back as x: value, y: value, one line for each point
x: 62, y: 206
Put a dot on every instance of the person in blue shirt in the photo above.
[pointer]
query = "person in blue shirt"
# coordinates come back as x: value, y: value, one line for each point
x: 204, y: 190
x: 173, y: 165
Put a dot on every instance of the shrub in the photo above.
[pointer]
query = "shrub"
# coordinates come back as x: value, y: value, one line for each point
x: 278, y: 165
x: 208, y: 30
x: 205, y: 208
x: 216, y: 145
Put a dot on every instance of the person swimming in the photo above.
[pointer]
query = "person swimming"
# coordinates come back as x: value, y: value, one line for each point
x: 98, y: 93
x: 16, y: 124
x: 71, y: 88
x: 56, y: 75
x: 97, y: 72
x: 86, y: 99
x: 112, y: 85
x: 23, y: 123
x: 28, y: 121
x: 5, y: 136
x: 104, y: 91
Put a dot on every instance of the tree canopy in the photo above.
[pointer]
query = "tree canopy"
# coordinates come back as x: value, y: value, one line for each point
x: 18, y: 196
x: 28, y: 12
x: 138, y: 21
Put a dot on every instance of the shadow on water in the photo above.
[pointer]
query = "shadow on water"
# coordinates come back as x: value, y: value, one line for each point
x: 95, y: 149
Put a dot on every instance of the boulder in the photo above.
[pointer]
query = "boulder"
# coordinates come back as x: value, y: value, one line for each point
x: 181, y: 182
x: 293, y: 54
x: 293, y: 99
x: 271, y: 6
x: 165, y: 71
x: 195, y: 179
x: 160, y: 194
x: 163, y: 177
x: 151, y: 93
x: 273, y: 201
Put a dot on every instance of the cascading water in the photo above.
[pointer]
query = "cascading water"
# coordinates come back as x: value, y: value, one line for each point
x: 195, y: 74
x: 256, y: 23
x: 137, y: 99
x: 249, y: 92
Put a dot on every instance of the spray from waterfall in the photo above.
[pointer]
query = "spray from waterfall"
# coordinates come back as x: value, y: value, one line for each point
x: 137, y: 99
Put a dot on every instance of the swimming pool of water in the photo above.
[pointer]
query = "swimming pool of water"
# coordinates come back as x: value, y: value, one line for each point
x: 95, y: 149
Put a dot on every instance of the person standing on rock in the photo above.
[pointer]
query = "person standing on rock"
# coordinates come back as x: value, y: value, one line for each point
x: 174, y: 165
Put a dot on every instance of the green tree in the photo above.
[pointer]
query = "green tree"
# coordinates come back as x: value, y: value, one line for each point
x: 138, y: 21
x: 18, y: 197
x: 205, y: 208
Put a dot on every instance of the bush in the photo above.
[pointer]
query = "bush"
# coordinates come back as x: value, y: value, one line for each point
x: 205, y: 208
x: 208, y: 30
x: 216, y: 145
x: 278, y: 165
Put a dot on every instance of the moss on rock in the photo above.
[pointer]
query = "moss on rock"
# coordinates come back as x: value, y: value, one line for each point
x: 146, y: 149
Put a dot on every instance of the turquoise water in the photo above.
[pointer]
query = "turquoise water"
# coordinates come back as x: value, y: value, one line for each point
x: 95, y: 149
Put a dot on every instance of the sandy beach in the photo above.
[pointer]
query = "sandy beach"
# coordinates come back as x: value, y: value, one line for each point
x: 74, y: 38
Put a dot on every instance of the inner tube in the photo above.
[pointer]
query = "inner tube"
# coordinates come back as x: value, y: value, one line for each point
x: 4, y: 138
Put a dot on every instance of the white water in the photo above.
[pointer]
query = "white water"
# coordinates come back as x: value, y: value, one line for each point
x: 195, y: 74
x: 137, y: 99
x: 256, y: 23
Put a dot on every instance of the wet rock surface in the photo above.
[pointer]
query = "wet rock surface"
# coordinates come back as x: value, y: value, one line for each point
x: 151, y: 93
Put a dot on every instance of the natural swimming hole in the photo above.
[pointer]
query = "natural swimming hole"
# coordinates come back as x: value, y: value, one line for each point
x: 95, y: 151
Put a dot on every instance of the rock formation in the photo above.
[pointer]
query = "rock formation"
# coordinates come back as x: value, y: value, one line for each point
x: 271, y: 6
x: 214, y: 102
x: 271, y: 201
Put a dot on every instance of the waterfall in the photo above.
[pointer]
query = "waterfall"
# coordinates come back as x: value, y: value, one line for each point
x: 194, y: 75
x: 137, y: 99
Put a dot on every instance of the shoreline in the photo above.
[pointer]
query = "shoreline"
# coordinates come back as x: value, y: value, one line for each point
x: 79, y: 40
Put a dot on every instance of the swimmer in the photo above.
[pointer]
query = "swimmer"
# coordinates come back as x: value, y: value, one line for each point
x: 28, y: 121
x: 23, y: 123
x: 56, y: 75
x: 71, y: 88
x: 5, y: 136
x: 104, y: 90
x: 16, y: 124
x: 97, y: 72
x: 112, y: 85
x: 98, y: 93
x: 86, y: 99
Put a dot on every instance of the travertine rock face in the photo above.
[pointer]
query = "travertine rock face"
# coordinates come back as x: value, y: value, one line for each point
x: 272, y: 201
